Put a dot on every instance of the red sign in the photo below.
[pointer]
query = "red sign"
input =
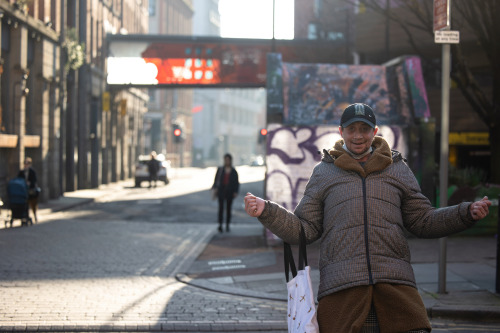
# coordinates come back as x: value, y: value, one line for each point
x: 197, y: 108
x: 186, y: 70
x: 207, y: 64
x: 441, y: 19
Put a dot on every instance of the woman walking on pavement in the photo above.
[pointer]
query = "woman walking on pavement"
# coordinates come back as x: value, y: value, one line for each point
x: 226, y: 185
x: 358, y: 201
x: 29, y: 174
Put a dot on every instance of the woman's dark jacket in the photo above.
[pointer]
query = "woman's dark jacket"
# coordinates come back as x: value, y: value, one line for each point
x: 231, y: 188
x: 31, y: 180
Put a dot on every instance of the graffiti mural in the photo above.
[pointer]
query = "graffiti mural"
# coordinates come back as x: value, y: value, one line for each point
x: 292, y: 153
x: 316, y: 94
x: 416, y: 86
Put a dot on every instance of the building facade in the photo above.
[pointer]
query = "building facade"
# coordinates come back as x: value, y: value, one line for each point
x: 30, y: 90
x: 55, y: 105
x: 109, y: 136
x: 170, y: 107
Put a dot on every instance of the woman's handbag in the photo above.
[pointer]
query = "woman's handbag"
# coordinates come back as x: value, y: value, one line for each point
x: 33, y: 192
x: 301, y: 306
x: 215, y: 188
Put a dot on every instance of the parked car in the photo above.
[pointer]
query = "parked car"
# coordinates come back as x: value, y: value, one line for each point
x: 142, y: 173
x: 258, y: 161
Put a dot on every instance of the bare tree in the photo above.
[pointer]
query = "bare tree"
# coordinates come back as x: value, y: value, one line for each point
x: 415, y: 17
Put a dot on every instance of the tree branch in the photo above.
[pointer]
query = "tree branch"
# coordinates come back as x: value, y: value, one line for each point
x: 466, y: 82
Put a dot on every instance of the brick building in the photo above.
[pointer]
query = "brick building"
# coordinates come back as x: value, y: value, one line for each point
x: 55, y: 114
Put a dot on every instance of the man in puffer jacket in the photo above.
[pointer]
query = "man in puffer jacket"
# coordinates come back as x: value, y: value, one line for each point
x: 359, y: 200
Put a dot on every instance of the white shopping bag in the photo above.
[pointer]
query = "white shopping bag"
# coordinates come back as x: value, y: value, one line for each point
x: 301, y: 307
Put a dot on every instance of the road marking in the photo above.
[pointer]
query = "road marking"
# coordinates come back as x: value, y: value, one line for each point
x: 228, y: 267
x: 148, y: 202
x: 224, y: 262
x: 225, y: 265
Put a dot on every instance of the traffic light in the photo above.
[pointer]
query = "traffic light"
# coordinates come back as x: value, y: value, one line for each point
x: 177, y: 132
x: 262, y: 135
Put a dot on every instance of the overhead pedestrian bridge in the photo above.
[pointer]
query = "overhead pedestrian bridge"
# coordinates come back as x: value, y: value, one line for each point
x: 188, y: 61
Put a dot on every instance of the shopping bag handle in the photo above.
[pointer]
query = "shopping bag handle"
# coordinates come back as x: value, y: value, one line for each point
x: 288, y: 256
x: 302, y: 249
x: 289, y: 262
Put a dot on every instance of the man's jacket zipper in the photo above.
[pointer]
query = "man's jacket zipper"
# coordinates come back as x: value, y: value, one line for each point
x: 365, y: 213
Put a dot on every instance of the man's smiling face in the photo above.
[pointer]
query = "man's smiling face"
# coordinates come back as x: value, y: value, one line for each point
x: 358, y: 136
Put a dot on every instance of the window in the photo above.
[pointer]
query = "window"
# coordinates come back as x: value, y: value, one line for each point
x: 312, y: 32
x: 152, y: 7
x: 5, y: 37
x: 318, y: 6
x: 152, y: 95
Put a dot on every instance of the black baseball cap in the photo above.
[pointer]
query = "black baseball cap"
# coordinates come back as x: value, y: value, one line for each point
x: 358, y: 112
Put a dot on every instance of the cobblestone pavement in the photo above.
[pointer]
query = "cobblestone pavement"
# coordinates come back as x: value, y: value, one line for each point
x: 132, y: 304
x: 116, y: 275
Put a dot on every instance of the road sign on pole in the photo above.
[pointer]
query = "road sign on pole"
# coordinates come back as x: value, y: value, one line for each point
x: 441, y: 15
x: 447, y: 37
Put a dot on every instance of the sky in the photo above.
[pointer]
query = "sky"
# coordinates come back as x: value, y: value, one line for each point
x: 254, y: 18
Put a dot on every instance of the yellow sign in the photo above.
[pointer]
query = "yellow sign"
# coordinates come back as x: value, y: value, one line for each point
x: 123, y: 107
x: 469, y: 138
x: 106, y: 101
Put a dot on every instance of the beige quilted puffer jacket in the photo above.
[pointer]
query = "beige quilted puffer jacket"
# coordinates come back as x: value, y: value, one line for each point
x: 360, y: 213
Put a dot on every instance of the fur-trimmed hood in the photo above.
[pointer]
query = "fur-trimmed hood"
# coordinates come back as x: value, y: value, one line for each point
x: 382, y: 156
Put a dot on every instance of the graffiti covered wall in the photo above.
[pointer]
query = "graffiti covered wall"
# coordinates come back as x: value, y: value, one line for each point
x: 316, y: 94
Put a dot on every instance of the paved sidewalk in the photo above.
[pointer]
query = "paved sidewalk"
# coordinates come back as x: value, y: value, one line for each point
x: 240, y: 263
x: 471, y: 273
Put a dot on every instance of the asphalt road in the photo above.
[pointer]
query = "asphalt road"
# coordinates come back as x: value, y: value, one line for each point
x: 186, y: 199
